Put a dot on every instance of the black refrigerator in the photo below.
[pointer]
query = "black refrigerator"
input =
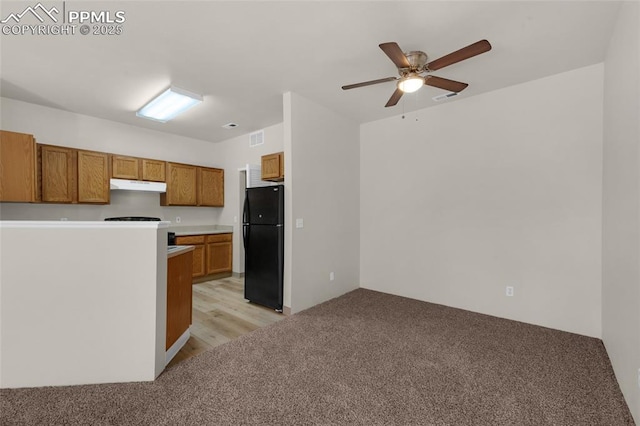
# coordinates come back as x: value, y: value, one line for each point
x: 263, y: 236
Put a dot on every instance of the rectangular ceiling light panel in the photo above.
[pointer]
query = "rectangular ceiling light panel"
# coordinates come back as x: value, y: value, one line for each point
x: 169, y: 104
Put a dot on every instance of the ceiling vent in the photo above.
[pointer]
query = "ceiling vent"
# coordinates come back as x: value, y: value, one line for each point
x: 256, y: 138
x: 230, y: 126
x: 445, y: 96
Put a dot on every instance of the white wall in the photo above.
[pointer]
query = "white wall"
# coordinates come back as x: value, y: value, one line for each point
x: 237, y: 153
x: 322, y: 162
x: 503, y: 189
x: 82, y: 302
x: 57, y: 127
x: 621, y: 204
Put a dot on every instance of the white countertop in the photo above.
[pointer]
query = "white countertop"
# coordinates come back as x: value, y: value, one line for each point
x: 80, y: 224
x: 173, y: 251
x: 182, y: 231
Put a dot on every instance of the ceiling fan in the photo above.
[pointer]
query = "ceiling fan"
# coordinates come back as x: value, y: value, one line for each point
x: 415, y: 71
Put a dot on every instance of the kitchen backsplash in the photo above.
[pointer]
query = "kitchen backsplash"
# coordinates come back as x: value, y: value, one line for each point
x: 123, y: 203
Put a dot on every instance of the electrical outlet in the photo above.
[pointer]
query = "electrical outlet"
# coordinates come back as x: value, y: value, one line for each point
x: 299, y: 223
x: 178, y: 219
x: 235, y: 219
x: 64, y: 219
x: 509, y: 291
x: 331, y: 276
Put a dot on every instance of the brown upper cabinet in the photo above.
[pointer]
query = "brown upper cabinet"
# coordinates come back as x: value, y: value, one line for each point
x: 137, y: 168
x: 273, y: 167
x: 210, y: 187
x: 154, y: 170
x: 57, y: 174
x: 189, y: 185
x: 32, y: 172
x: 182, y: 185
x: 17, y: 167
x: 69, y: 175
x: 93, y: 177
x: 125, y: 167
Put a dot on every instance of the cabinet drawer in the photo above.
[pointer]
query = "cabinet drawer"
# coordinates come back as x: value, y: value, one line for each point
x: 218, y: 238
x: 189, y: 239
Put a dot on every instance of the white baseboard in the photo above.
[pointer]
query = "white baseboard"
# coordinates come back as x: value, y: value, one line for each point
x: 175, y: 348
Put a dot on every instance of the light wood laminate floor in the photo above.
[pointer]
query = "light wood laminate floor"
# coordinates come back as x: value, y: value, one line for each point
x: 221, y: 314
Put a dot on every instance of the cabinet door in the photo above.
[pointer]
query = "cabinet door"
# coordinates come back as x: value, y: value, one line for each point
x: 153, y: 170
x: 197, y: 241
x: 181, y: 185
x: 219, y: 253
x: 125, y: 167
x: 179, y: 296
x: 58, y: 173
x: 273, y: 167
x: 93, y: 177
x: 211, y: 187
x: 17, y: 167
x: 199, y: 261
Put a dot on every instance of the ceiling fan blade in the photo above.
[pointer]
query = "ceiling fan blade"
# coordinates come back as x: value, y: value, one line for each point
x: 446, y: 84
x: 460, y: 55
x: 394, y: 53
x: 368, y: 83
x: 394, y: 98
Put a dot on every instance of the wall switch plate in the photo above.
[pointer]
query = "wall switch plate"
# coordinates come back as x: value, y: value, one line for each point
x: 332, y: 276
x: 178, y: 219
x: 299, y: 223
x: 509, y: 291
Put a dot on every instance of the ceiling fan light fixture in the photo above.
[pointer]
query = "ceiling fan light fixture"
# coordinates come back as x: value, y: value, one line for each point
x: 411, y: 84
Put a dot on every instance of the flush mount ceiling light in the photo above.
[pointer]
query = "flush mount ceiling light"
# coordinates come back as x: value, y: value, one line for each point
x: 411, y: 83
x: 169, y: 104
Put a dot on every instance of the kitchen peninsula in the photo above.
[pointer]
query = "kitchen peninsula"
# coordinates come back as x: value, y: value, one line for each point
x: 82, y: 302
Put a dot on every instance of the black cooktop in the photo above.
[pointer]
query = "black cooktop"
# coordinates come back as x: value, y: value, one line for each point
x: 135, y: 219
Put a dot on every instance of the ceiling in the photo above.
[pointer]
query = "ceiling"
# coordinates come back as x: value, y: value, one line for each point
x: 242, y: 56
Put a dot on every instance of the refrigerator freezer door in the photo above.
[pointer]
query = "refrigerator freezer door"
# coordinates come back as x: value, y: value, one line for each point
x: 264, y: 264
x: 264, y: 205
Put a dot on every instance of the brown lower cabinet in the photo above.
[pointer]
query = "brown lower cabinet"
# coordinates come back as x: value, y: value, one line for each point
x: 179, y: 296
x: 213, y: 253
x: 219, y: 253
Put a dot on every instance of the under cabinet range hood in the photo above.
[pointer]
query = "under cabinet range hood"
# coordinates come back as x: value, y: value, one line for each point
x: 137, y: 185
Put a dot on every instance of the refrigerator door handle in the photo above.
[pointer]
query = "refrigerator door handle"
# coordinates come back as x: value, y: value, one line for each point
x: 245, y: 210
x: 245, y: 235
